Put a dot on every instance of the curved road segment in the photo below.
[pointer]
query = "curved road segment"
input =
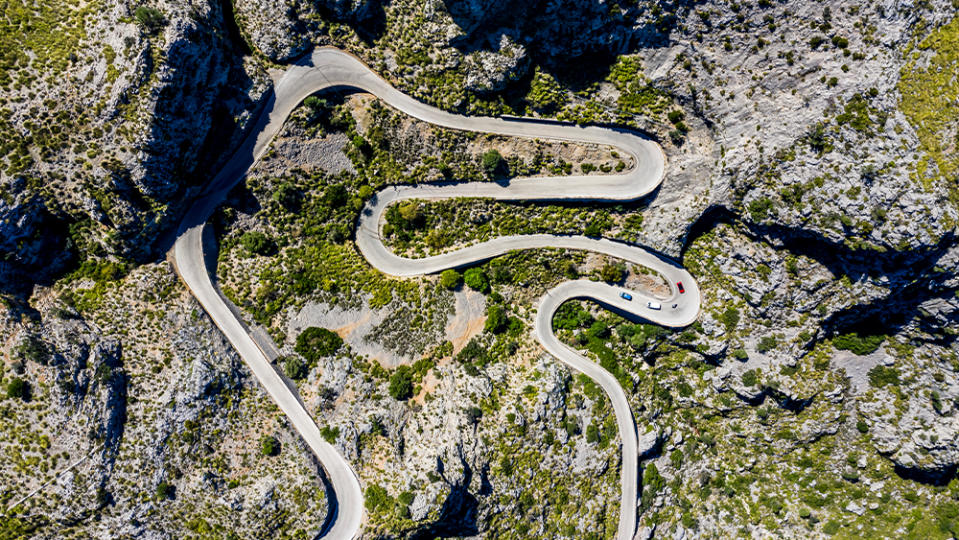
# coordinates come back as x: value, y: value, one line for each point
x: 328, y: 68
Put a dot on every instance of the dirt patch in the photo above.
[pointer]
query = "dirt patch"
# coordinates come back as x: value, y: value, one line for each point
x: 468, y: 320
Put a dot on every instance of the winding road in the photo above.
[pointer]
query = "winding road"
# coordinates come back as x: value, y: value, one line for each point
x: 328, y: 68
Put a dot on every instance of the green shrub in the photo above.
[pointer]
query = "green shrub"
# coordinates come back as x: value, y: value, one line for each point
x: 288, y: 196
x: 269, y: 445
x: 401, y: 383
x: 653, y: 483
x: 150, y: 18
x: 759, y: 208
x: 612, y: 272
x: 377, y: 500
x: 859, y: 345
x: 545, y: 93
x: 492, y: 161
x: 475, y: 278
x: 881, y: 376
x: 165, y: 490
x: 315, y: 343
x: 496, y: 319
x: 750, y: 378
x: 295, y: 368
x: 598, y: 329
x: 474, y: 356
x: 766, y: 344
x: 257, y: 243
x: 676, y: 458
x: 18, y: 388
x: 330, y: 434
x: 450, y: 279
x: 730, y: 318
x: 34, y: 350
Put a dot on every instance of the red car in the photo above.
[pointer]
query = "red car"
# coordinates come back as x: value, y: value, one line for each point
x: 679, y: 285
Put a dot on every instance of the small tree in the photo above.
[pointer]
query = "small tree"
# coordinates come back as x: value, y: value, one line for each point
x: 492, y: 161
x: 598, y: 329
x: 612, y: 273
x: 450, y: 279
x: 269, y: 445
x: 318, y: 109
x: 496, y: 319
x: 18, y: 388
x: 592, y: 434
x: 475, y: 278
x: 330, y: 434
x: 150, y: 18
x: 295, y: 368
x: 315, y: 343
x: 401, y: 383
x: 165, y: 490
x: 336, y: 196
x: 34, y: 350
x: 474, y: 414
x: 766, y: 344
x: 257, y: 243
x: 287, y: 196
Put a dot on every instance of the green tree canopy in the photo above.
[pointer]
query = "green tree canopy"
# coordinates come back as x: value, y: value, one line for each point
x: 496, y: 319
x: 269, y: 445
x: 257, y: 243
x: 295, y: 368
x: 315, y: 343
x: 401, y: 383
x: 492, y: 161
x: 150, y: 18
x: 18, y: 388
x: 450, y: 279
x: 612, y: 272
x: 475, y: 278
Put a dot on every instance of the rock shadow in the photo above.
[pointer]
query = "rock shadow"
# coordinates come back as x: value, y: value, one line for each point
x: 577, y: 41
x: 194, y: 128
x: 458, y: 517
x: 911, y: 275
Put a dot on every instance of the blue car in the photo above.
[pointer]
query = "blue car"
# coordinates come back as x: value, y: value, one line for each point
x: 625, y: 296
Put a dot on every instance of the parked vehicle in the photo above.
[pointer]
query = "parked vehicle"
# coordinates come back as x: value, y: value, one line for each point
x: 679, y: 285
x: 625, y: 296
x: 654, y: 305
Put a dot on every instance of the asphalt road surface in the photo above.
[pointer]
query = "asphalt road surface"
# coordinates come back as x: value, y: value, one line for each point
x: 330, y: 68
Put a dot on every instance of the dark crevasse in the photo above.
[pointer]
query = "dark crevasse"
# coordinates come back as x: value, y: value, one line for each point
x: 240, y: 46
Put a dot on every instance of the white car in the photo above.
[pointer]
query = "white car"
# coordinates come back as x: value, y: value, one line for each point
x: 654, y: 305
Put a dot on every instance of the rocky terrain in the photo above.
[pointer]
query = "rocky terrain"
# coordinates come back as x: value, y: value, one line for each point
x: 811, y: 188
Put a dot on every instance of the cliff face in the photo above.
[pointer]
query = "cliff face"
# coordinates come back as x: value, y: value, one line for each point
x: 119, y: 135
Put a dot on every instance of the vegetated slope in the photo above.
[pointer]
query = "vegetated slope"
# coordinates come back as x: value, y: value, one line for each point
x: 810, y: 149
x: 107, y: 108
